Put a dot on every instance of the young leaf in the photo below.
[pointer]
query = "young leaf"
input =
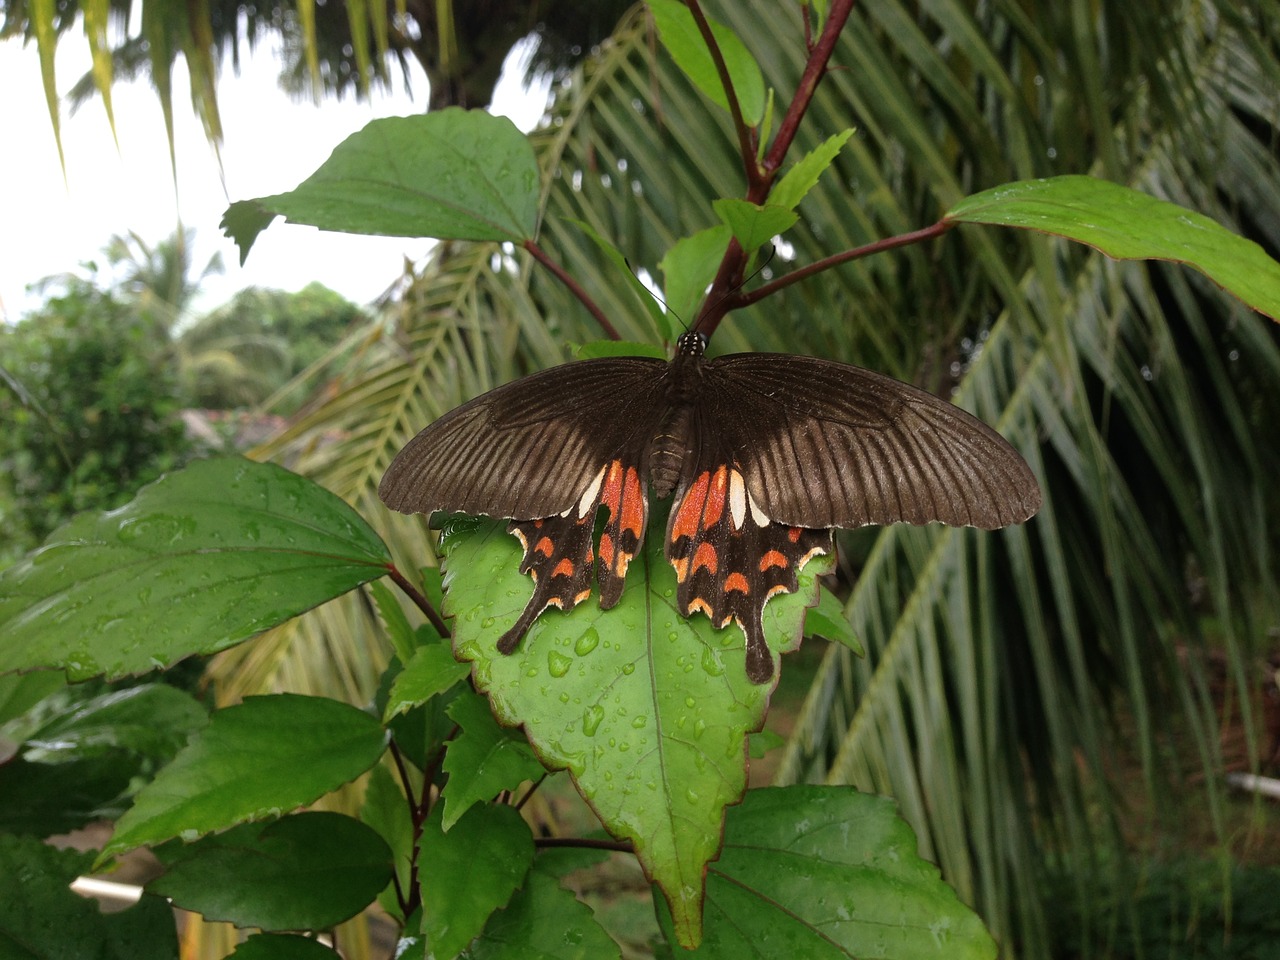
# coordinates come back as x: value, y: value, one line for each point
x: 236, y: 546
x: 282, y: 946
x: 309, y: 871
x: 41, y: 917
x: 452, y: 174
x: 1129, y: 225
x: 483, y: 760
x: 753, y: 225
x: 803, y: 177
x: 683, y: 40
x: 827, y: 872
x: 470, y: 872
x: 432, y: 671
x: 690, y: 266
x: 827, y: 620
x: 648, y: 711
x: 255, y: 760
x: 534, y: 925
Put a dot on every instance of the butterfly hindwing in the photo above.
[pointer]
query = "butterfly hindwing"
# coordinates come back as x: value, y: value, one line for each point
x: 730, y: 558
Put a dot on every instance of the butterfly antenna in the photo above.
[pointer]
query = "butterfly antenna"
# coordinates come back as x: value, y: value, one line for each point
x: 754, y: 273
x: 654, y: 293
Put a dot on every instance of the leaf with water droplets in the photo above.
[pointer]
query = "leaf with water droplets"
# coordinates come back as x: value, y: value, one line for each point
x: 648, y: 711
x: 1129, y: 225
x: 828, y: 873
x: 200, y: 560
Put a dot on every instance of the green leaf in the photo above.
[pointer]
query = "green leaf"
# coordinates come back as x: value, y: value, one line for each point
x: 432, y: 671
x: 470, y: 872
x: 399, y: 632
x: 690, y: 266
x: 534, y: 925
x: 681, y: 37
x: 309, y: 871
x: 758, y: 744
x: 754, y: 225
x: 255, y: 760
x: 20, y: 692
x: 386, y: 810
x: 243, y: 221
x: 827, y: 872
x: 452, y: 174
x: 1129, y: 225
x: 483, y: 760
x: 200, y: 560
x: 619, y: 348
x: 153, y: 720
x: 648, y: 711
x: 804, y: 175
x: 41, y: 918
x: 44, y: 799
x: 828, y: 620
x: 661, y: 322
x: 282, y: 946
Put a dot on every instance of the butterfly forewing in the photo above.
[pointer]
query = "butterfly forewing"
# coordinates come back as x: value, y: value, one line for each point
x: 530, y: 448
x: 824, y: 444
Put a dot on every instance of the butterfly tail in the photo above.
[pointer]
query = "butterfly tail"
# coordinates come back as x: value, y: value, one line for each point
x: 558, y: 555
x: 759, y: 657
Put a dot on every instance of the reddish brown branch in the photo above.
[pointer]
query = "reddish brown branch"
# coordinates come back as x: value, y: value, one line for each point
x: 746, y: 142
x: 574, y: 287
x: 419, y: 599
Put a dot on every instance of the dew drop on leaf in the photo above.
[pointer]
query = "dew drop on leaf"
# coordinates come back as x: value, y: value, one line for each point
x: 587, y: 642
x: 591, y: 719
x: 558, y: 664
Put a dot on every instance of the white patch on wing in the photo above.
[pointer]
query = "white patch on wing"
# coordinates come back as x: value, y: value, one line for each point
x: 737, y: 499
x: 589, y: 495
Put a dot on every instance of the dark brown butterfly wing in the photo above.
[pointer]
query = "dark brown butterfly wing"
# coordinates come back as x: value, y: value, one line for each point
x: 531, y: 448
x: 826, y: 444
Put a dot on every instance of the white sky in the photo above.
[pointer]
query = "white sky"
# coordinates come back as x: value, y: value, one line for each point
x: 271, y: 143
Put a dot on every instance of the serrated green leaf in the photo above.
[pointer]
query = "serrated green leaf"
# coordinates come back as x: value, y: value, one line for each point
x: 430, y: 672
x: 690, y: 266
x: 1129, y: 225
x: 683, y: 40
x: 309, y: 871
x: 470, y: 872
x: 804, y: 175
x: 282, y: 946
x: 255, y: 760
x: 40, y: 917
x: 754, y: 225
x: 243, y: 221
x: 153, y: 720
x: 827, y: 873
x: 661, y: 322
x: 534, y: 925
x: 648, y: 711
x: 236, y: 546
x: 483, y: 760
x: 452, y: 174
x: 828, y: 620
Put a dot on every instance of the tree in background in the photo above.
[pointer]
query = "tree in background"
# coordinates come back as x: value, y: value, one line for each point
x: 91, y: 413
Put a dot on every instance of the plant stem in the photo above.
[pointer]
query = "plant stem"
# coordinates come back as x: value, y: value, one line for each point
x: 419, y: 599
x: 574, y: 287
x: 746, y: 142
x: 888, y: 243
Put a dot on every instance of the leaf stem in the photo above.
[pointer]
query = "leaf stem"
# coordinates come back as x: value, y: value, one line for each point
x: 746, y: 142
x: 419, y: 599
x: 826, y: 263
x: 575, y: 288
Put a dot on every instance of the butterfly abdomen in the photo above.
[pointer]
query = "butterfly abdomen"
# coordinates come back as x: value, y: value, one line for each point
x: 668, y: 450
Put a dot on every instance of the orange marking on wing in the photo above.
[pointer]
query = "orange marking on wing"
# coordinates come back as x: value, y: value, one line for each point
x: 736, y: 581
x: 612, y: 487
x: 632, y: 503
x: 545, y: 547
x: 689, y: 515
x: 682, y: 568
x: 606, y: 549
x: 582, y: 596
x: 794, y: 534
x: 563, y: 569
x: 624, y: 560
x: 715, y: 498
x: 697, y: 603
x: 705, y: 556
x: 774, y: 591
x: 773, y: 558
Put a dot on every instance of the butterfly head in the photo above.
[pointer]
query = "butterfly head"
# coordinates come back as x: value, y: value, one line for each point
x: 691, y: 344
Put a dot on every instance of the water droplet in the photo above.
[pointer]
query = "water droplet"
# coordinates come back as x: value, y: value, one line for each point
x: 486, y: 623
x: 691, y: 795
x: 628, y: 669
x: 564, y: 698
x: 690, y: 702
x: 558, y: 664
x: 673, y: 636
x: 587, y: 642
x: 699, y: 728
x: 591, y: 719
x: 639, y: 722
x: 711, y: 663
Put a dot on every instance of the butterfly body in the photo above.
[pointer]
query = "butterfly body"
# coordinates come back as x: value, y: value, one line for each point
x: 763, y: 454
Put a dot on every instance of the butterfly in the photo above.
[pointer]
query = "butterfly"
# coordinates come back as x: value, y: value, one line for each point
x: 763, y: 453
